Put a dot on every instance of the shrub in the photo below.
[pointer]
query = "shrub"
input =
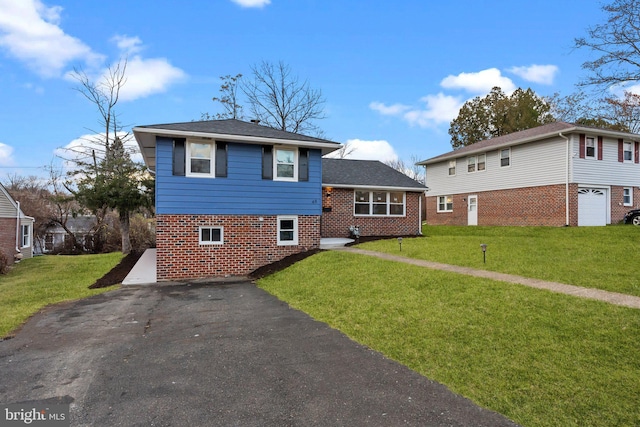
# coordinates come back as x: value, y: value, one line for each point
x: 4, y: 263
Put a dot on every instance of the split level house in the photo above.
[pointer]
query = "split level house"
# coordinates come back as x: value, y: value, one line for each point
x: 16, y: 229
x: 232, y: 196
x: 553, y: 175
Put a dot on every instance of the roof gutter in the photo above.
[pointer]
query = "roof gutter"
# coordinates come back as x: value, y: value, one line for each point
x: 375, y: 187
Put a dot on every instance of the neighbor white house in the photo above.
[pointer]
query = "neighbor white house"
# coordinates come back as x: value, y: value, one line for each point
x: 557, y: 174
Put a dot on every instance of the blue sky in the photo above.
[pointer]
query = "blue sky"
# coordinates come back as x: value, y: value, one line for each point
x: 393, y: 74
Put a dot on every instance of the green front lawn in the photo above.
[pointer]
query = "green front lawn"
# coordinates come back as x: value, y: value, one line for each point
x: 605, y: 258
x: 37, y: 282
x: 539, y: 358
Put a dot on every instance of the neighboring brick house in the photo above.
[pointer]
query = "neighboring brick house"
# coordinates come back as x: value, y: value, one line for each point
x: 16, y: 229
x: 370, y: 195
x: 554, y: 175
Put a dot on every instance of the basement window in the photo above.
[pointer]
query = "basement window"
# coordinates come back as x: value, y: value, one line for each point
x: 211, y: 235
x: 287, y: 230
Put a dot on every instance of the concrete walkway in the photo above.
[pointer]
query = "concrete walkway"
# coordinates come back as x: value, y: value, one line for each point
x: 596, y: 294
x: 144, y: 272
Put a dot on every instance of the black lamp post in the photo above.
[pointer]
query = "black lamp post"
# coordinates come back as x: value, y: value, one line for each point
x: 483, y: 246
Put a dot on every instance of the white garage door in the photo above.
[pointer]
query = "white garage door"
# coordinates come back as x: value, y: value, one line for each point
x: 592, y: 206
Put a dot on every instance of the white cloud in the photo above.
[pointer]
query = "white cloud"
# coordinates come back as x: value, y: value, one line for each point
x: 6, y: 155
x: 479, y: 83
x: 148, y: 76
x: 391, y: 110
x: 30, y: 32
x: 128, y: 45
x: 543, y: 74
x: 369, y: 150
x: 439, y: 109
x: 252, y: 3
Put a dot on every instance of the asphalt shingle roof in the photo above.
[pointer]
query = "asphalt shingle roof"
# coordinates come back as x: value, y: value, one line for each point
x: 521, y: 137
x: 345, y: 172
x: 235, y: 127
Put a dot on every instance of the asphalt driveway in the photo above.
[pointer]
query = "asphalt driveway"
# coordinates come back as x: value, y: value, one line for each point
x: 214, y: 355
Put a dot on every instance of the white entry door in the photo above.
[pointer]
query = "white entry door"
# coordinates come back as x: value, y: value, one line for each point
x: 472, y: 210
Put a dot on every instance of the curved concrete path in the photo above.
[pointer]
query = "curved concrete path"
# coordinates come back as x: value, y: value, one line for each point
x: 596, y: 294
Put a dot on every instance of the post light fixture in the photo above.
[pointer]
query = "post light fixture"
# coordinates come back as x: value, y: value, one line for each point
x: 400, y: 243
x: 483, y: 246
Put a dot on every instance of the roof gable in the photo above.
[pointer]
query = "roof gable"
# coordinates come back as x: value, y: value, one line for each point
x: 365, y: 174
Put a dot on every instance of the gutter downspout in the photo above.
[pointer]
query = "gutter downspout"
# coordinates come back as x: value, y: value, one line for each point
x: 18, y: 227
x: 566, y: 191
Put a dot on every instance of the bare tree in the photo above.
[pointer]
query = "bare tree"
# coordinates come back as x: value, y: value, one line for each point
x: 617, y: 42
x: 410, y: 169
x: 342, y: 153
x: 280, y: 100
x: 229, y: 97
x: 105, y: 177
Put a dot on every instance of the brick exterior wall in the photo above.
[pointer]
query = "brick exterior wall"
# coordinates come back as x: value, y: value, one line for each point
x: 531, y: 206
x: 337, y: 220
x: 248, y: 244
x: 519, y: 206
x: 8, y: 237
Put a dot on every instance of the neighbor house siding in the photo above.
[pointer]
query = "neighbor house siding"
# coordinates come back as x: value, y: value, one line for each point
x: 534, y: 164
x: 608, y: 171
x: 249, y: 242
x: 242, y: 192
x: 7, y: 209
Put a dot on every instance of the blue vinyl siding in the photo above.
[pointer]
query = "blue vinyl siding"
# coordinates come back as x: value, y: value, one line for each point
x: 242, y: 192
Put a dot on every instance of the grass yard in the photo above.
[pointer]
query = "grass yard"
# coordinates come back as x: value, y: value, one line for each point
x: 594, y: 257
x: 37, y: 282
x: 539, y: 358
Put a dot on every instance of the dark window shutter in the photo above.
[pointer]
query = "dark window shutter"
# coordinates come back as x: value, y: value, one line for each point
x: 221, y: 159
x: 620, y: 151
x: 600, y: 143
x: 179, y: 157
x: 582, y: 145
x: 636, y: 152
x: 303, y: 164
x: 267, y: 162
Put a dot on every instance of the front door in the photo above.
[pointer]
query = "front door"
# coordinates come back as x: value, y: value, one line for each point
x: 472, y: 210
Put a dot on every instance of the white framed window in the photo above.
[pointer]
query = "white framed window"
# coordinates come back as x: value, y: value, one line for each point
x: 379, y: 203
x: 211, y: 235
x: 200, y: 159
x: 627, y: 196
x: 471, y: 164
x: 287, y: 230
x: 445, y: 203
x: 26, y: 236
x: 476, y: 163
x: 505, y: 157
x: 590, y: 147
x: 627, y: 152
x: 285, y: 165
x: 452, y: 167
x: 482, y: 162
